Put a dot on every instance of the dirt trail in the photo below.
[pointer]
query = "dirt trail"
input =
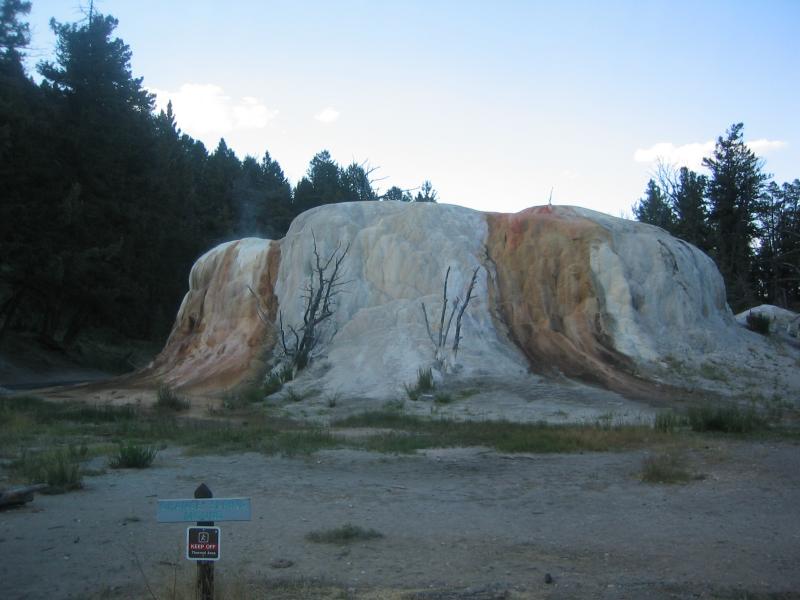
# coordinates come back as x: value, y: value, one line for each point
x: 453, y: 520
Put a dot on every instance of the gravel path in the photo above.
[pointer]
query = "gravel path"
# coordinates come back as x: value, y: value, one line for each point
x: 454, y: 521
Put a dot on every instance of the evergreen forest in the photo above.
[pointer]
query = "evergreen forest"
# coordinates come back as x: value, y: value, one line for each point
x: 747, y: 222
x: 105, y: 204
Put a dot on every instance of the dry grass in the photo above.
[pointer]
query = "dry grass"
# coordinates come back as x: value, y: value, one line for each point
x: 346, y: 534
x: 667, y: 467
x: 412, y: 433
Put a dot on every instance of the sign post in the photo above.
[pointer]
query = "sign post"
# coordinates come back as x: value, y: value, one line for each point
x: 203, y: 540
x: 202, y: 543
x: 205, y: 568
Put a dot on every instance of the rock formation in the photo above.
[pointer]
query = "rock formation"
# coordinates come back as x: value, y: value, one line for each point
x: 782, y: 322
x: 218, y: 338
x: 560, y: 290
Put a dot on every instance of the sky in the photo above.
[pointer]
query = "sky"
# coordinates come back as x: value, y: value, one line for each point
x: 498, y: 104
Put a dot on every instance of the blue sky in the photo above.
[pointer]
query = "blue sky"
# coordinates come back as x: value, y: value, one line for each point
x: 495, y: 103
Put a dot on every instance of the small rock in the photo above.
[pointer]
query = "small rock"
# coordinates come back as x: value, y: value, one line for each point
x: 548, y: 578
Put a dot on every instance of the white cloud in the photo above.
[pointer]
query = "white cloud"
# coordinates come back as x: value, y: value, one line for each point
x: 327, y: 115
x: 204, y: 109
x: 691, y: 155
x: 688, y: 155
x: 763, y: 146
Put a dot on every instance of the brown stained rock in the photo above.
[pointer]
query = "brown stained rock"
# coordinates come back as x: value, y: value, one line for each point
x: 218, y: 338
x: 546, y: 296
x: 563, y: 290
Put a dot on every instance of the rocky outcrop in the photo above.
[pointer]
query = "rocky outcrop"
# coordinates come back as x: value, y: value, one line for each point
x: 218, y: 339
x: 781, y: 321
x: 559, y: 290
x: 546, y: 292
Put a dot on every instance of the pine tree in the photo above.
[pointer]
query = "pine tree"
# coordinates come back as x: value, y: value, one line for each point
x: 14, y: 36
x: 218, y: 211
x: 654, y: 208
x: 276, y: 211
x: 426, y: 193
x: 357, y: 184
x: 101, y: 131
x: 777, y: 266
x: 734, y: 188
x: 322, y: 184
x: 689, y: 207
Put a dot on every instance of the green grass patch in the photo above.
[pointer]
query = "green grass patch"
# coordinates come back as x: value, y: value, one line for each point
x: 725, y: 419
x: 442, y: 398
x: 293, y: 396
x: 58, y: 468
x: 713, y: 372
x: 424, y: 384
x: 167, y: 399
x: 29, y: 422
x: 133, y: 456
x: 274, y: 383
x: 299, y: 443
x: 503, y: 436
x: 398, y: 442
x: 42, y: 411
x: 247, y: 395
x: 346, y: 534
x: 665, y: 468
x: 668, y: 421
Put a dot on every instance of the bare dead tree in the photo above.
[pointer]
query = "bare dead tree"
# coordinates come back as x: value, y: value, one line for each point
x: 457, y: 309
x: 464, y: 305
x: 667, y: 176
x: 324, y: 284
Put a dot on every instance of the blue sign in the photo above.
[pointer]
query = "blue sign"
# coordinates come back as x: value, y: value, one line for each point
x: 203, y: 509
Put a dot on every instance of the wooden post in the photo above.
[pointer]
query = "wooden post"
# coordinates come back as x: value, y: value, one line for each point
x: 205, y: 568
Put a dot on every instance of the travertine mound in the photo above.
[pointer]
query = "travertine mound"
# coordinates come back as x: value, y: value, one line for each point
x: 559, y: 290
x: 399, y: 254
x: 218, y: 338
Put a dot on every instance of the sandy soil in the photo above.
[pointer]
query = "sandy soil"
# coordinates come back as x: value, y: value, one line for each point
x: 464, y: 523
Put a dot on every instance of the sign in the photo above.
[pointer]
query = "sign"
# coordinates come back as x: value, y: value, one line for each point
x: 202, y: 543
x: 203, y: 509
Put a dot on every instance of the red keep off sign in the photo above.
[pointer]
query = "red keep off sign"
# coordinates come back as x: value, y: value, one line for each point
x: 202, y: 543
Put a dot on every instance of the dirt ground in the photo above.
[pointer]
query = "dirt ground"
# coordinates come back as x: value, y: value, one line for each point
x: 463, y: 523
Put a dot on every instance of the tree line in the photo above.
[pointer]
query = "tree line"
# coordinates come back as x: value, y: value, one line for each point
x: 105, y: 203
x: 747, y: 222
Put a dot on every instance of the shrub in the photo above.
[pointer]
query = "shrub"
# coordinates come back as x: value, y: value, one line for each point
x: 425, y: 380
x: 758, y: 322
x: 665, y: 468
x: 132, y: 456
x: 345, y: 534
x: 727, y: 419
x: 424, y: 384
x: 244, y: 396
x: 168, y: 399
x: 668, y: 422
x: 412, y: 392
x: 286, y: 373
x: 274, y: 383
x: 58, y: 468
x: 442, y: 398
